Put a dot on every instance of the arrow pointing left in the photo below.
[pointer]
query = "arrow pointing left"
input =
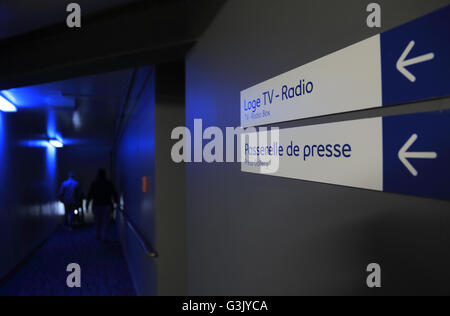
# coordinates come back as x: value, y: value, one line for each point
x: 404, y: 155
x: 402, y: 63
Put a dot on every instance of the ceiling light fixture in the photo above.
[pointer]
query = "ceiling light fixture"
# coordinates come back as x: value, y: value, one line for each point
x: 6, y: 105
x: 56, y: 143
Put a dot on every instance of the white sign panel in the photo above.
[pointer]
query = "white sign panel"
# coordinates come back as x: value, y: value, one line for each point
x: 346, y: 153
x: 344, y: 81
x: 406, y: 154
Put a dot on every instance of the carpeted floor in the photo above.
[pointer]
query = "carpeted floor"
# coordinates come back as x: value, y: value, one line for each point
x: 104, y: 271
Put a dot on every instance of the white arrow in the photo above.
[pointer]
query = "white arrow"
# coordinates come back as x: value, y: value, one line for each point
x: 404, y: 155
x: 402, y: 62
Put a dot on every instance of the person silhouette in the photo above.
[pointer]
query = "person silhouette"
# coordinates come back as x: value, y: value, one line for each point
x: 70, y: 195
x: 103, y: 194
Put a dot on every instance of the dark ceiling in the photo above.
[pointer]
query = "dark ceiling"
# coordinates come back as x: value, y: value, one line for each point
x: 115, y: 34
x: 84, y: 75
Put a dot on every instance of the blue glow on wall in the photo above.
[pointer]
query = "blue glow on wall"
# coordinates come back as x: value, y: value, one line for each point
x: 51, y: 124
x: 1, y: 135
x: 51, y: 165
x: 40, y: 143
x: 3, y: 161
x: 51, y: 149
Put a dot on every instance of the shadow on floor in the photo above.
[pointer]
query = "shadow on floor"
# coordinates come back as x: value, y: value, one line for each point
x: 104, y: 271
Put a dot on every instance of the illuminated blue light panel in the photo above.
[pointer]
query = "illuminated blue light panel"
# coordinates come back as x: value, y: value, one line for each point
x: 6, y: 106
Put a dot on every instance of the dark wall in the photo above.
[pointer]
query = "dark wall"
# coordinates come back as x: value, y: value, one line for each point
x: 144, y: 150
x: 259, y: 235
x: 135, y: 159
x: 29, y: 211
x: 170, y: 182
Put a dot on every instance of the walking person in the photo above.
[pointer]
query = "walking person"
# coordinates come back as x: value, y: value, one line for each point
x: 70, y: 195
x: 103, y: 195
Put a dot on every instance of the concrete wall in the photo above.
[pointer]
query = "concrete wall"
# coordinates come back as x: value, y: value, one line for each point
x: 28, y: 187
x: 259, y: 235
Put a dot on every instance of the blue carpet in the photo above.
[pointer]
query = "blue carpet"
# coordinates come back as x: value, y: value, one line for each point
x: 104, y: 271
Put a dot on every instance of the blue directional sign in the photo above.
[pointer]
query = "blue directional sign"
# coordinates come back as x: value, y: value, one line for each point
x: 406, y: 154
x: 415, y: 59
x: 416, y: 154
x: 406, y: 64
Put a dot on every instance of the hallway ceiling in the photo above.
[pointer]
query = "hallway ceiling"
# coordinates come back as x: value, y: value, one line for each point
x: 115, y: 34
x: 86, y: 109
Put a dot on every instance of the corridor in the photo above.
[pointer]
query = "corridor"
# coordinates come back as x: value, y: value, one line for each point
x: 104, y: 269
x: 75, y: 128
